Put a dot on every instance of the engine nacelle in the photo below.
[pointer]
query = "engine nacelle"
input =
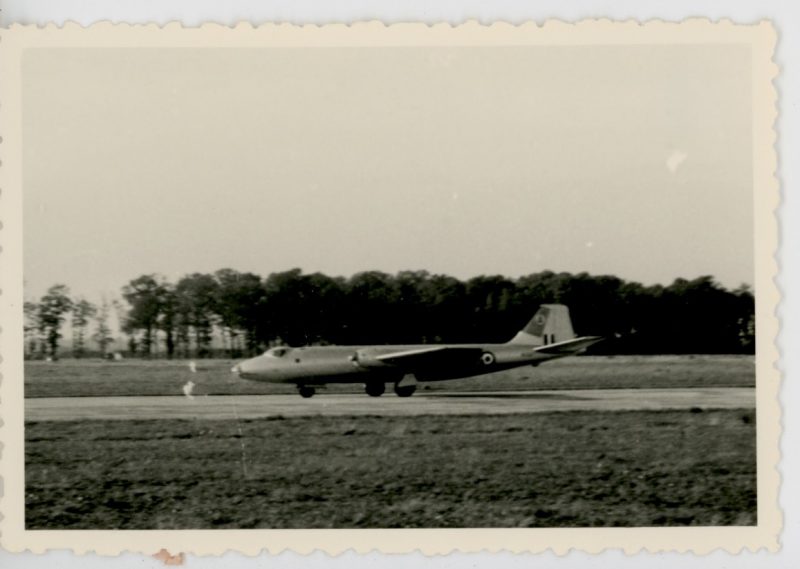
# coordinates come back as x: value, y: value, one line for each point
x: 366, y: 358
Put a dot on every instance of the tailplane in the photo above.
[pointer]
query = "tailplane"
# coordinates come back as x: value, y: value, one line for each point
x: 550, y: 325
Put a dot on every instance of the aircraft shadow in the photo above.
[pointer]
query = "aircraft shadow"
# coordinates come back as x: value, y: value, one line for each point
x: 506, y: 395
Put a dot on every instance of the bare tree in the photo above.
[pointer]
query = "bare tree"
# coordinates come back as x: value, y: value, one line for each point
x: 53, y: 308
x: 102, y: 335
x: 82, y: 312
x: 31, y: 329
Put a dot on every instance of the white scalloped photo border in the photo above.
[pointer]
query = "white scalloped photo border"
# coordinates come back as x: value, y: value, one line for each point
x: 762, y: 39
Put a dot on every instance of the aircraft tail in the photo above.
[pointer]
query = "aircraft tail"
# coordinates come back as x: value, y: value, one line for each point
x: 550, y: 325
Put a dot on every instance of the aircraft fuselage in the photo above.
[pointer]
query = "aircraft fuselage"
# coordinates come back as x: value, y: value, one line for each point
x: 358, y: 364
x: 547, y: 336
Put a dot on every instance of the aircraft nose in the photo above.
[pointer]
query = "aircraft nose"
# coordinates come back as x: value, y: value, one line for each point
x: 247, y: 369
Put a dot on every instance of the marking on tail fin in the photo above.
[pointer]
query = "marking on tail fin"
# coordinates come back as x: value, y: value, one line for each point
x: 550, y: 325
x: 536, y: 325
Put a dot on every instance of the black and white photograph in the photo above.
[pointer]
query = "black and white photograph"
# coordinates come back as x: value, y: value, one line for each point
x: 423, y: 281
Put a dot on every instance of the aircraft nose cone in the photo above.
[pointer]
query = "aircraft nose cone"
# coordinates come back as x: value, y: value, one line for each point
x: 246, y: 369
x: 255, y: 369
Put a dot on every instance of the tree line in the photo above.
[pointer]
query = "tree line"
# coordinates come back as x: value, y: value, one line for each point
x: 247, y: 313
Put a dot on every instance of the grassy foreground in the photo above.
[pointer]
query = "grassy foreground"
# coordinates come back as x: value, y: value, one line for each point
x: 634, y: 468
x: 73, y: 378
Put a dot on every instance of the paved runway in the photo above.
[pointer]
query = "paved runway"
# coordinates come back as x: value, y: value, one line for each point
x: 433, y: 403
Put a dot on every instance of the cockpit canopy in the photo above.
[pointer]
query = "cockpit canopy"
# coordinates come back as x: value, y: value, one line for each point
x: 277, y: 352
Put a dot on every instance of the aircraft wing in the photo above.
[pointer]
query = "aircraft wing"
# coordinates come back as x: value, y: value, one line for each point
x: 569, y: 346
x: 435, y: 355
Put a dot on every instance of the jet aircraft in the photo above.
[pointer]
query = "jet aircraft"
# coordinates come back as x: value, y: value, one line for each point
x: 547, y: 336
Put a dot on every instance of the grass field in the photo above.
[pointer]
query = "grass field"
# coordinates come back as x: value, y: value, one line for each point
x: 68, y: 378
x: 555, y: 469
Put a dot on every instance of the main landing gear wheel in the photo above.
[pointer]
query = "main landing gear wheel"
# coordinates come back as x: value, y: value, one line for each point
x: 404, y: 390
x: 375, y: 389
x: 306, y: 391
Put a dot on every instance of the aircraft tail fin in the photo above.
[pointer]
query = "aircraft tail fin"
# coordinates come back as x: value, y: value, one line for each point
x: 550, y: 325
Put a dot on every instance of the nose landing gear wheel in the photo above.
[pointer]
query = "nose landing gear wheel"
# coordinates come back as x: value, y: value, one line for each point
x: 375, y: 389
x: 404, y: 390
x: 306, y: 391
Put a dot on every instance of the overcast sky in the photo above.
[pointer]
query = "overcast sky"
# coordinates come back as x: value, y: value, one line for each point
x: 632, y: 161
